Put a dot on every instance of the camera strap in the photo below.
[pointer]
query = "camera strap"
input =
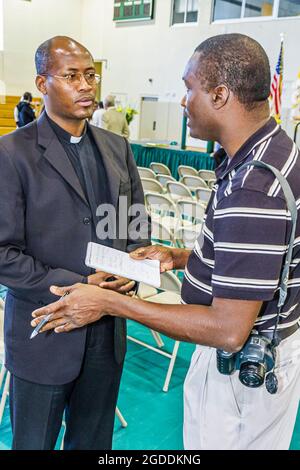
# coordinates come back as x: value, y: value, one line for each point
x: 292, y: 208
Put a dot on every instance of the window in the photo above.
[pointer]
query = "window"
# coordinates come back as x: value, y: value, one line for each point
x: 258, y: 8
x: 185, y: 11
x: 126, y: 10
x: 289, y: 8
x: 231, y: 9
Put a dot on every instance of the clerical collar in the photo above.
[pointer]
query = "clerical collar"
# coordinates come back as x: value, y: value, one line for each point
x: 64, y: 135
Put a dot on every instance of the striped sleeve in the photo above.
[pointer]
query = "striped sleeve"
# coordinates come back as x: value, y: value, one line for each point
x: 250, y: 230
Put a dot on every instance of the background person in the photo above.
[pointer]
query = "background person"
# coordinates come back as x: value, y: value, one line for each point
x: 97, y: 115
x: 24, y: 113
x: 112, y: 120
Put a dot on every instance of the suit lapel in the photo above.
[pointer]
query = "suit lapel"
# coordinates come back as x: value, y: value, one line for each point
x: 56, y: 155
x: 113, y: 175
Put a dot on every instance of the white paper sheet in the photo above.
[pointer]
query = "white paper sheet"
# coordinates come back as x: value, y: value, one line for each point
x: 117, y: 262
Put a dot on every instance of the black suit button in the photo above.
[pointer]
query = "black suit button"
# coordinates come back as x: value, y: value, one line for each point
x: 86, y: 220
x: 41, y: 303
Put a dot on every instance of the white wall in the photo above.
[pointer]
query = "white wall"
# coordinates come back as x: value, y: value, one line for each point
x: 26, y: 26
x: 142, y: 50
x: 135, y: 51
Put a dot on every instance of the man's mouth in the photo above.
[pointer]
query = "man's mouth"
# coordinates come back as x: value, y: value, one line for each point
x: 86, y: 102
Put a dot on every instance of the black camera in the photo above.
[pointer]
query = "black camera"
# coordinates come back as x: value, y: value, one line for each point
x: 254, y: 360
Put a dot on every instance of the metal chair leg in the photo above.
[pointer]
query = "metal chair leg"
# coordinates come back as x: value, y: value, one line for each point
x: 157, y: 339
x: 171, y: 366
x: 121, y: 418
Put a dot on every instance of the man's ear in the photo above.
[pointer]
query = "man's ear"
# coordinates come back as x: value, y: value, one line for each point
x: 41, y: 85
x: 220, y: 96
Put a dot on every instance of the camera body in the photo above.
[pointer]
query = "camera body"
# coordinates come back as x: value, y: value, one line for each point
x: 254, y: 360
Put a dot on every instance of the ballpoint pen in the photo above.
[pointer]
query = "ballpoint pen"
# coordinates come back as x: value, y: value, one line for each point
x: 43, y: 322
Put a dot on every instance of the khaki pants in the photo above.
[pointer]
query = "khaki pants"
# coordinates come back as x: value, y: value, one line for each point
x: 222, y: 413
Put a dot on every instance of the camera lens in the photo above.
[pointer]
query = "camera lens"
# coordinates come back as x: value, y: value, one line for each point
x: 252, y: 374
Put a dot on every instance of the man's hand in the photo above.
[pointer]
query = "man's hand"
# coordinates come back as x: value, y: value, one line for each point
x: 120, y: 284
x: 84, y: 304
x: 164, y: 254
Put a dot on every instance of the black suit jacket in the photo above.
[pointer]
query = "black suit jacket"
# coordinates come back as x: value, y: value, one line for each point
x: 44, y: 231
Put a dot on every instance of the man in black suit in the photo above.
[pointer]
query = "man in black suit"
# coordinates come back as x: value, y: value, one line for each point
x: 55, y: 175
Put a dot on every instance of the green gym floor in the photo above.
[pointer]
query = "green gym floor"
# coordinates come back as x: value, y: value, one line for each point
x: 154, y: 417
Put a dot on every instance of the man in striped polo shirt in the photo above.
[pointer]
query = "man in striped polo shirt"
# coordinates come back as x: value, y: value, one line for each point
x: 232, y: 275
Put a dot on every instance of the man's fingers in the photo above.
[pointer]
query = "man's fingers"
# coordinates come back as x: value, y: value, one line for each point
x: 115, y: 285
x: 131, y: 293
x: 38, y: 320
x: 140, y: 253
x: 51, y: 325
x: 54, y: 316
x: 127, y: 287
x: 65, y: 328
x: 62, y: 290
x: 150, y: 252
x: 52, y: 308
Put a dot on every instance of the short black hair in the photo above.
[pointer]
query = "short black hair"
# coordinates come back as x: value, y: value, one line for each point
x: 27, y: 96
x: 44, y: 58
x: 239, y: 62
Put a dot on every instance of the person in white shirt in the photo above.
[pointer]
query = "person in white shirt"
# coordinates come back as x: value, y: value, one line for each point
x: 97, y: 116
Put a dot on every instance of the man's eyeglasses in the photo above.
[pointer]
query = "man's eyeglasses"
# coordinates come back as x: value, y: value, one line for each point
x: 74, y: 78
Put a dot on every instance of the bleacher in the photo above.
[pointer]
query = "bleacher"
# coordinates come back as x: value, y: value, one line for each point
x: 7, y: 106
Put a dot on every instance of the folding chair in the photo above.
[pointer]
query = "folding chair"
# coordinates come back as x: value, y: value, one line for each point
x: 184, y: 170
x: 171, y: 287
x: 178, y: 190
x: 203, y: 195
x: 191, y: 212
x: 211, y: 184
x: 149, y: 184
x: 160, y: 168
x: 207, y: 175
x: 162, y: 209
x: 193, y: 182
x: 163, y: 179
x: 145, y: 172
x: 160, y: 235
x: 186, y: 236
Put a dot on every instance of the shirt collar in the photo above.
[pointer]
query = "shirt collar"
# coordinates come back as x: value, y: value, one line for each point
x: 270, y: 128
x: 64, y: 135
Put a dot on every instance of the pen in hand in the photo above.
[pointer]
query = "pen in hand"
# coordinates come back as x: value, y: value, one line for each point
x: 43, y: 322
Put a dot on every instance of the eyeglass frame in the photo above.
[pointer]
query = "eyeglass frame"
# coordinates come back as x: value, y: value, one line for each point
x: 65, y: 77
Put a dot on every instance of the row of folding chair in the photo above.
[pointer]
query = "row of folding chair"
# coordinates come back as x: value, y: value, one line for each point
x: 206, y: 175
x: 174, y: 215
x: 183, y: 170
x: 176, y: 190
x: 183, y: 237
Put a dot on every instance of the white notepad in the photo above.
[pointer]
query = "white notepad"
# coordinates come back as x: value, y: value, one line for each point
x: 117, y: 262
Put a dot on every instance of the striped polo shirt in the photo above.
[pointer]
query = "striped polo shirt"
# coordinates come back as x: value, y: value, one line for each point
x: 240, y: 251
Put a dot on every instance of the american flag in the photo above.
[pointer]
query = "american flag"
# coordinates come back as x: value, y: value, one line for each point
x: 276, y: 87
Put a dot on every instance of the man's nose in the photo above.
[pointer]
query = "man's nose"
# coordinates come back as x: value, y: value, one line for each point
x: 83, y: 84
